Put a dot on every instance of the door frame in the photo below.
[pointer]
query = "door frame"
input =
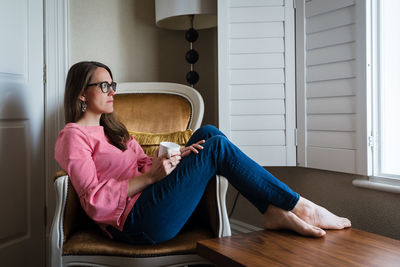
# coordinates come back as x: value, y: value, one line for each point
x: 56, y: 58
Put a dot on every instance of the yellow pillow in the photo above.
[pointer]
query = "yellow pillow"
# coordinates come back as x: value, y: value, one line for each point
x: 150, y: 141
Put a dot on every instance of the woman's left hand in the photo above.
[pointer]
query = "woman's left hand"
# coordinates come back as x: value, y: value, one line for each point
x: 192, y: 148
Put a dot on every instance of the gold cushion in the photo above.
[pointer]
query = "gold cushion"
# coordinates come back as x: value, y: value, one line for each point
x: 150, y: 141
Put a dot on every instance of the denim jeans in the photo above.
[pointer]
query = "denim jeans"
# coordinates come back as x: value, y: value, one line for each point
x: 164, y: 207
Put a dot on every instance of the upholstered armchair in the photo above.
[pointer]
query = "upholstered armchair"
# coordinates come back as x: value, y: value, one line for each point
x: 155, y: 110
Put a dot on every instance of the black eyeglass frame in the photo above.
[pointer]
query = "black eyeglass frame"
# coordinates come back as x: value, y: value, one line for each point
x: 105, y: 86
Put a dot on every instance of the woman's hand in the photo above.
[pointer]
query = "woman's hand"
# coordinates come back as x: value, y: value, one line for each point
x: 192, y: 148
x: 162, y: 166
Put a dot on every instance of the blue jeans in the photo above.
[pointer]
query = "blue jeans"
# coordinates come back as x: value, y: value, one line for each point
x: 164, y: 207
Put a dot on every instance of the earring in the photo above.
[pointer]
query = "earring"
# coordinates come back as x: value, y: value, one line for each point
x: 83, y: 106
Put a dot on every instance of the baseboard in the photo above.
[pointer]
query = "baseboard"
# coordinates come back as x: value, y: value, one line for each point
x: 239, y: 227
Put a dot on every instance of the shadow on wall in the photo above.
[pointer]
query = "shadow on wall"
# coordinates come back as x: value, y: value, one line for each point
x: 207, y: 67
x: 166, y: 51
x: 157, y: 52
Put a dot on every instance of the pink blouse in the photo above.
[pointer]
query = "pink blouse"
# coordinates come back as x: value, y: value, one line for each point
x: 100, y: 171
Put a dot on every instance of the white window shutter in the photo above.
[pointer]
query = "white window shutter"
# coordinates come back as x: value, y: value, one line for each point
x: 257, y: 78
x: 331, y: 86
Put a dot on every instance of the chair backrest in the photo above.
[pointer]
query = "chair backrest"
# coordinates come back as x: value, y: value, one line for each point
x: 158, y: 107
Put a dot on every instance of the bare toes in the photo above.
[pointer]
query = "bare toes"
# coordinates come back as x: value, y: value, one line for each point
x: 346, y: 223
x: 317, y: 232
x: 319, y: 216
x: 306, y: 229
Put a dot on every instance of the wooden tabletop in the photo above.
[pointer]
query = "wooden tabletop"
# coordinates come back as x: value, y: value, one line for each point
x: 350, y: 247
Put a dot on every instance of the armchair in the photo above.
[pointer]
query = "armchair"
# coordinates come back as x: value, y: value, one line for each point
x: 77, y: 241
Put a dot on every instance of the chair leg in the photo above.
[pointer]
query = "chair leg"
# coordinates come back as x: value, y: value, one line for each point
x: 224, y: 228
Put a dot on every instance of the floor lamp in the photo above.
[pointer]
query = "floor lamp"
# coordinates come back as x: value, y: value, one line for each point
x: 189, y: 15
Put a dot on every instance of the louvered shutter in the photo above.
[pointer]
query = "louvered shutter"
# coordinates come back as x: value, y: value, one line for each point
x: 257, y: 79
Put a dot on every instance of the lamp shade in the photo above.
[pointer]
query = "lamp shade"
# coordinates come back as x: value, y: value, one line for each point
x: 175, y: 14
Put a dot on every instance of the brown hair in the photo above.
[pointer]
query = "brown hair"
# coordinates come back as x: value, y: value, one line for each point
x: 79, y: 76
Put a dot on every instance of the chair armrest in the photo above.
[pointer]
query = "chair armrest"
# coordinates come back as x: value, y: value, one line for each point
x: 68, y: 216
x: 57, y: 232
x: 224, y: 228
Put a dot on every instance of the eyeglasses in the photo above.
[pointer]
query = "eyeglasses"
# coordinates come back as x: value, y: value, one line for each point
x: 105, y: 86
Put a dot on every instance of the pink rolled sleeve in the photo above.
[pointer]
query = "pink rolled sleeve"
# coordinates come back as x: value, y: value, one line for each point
x: 144, y: 161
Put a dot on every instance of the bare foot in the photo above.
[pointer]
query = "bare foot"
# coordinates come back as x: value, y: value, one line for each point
x: 276, y: 218
x: 319, y: 216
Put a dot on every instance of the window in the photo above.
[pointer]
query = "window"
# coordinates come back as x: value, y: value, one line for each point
x: 386, y: 96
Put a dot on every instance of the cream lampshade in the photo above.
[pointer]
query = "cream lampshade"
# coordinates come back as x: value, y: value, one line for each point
x: 175, y: 14
x: 190, y: 15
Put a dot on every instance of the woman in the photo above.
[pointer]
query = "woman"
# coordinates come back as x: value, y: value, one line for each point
x: 146, y: 200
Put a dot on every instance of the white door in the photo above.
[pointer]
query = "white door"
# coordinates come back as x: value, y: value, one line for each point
x: 22, y: 194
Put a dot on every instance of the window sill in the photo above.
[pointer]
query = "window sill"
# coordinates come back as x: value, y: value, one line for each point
x: 377, y: 186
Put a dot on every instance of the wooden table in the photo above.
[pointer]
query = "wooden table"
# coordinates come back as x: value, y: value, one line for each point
x: 350, y: 247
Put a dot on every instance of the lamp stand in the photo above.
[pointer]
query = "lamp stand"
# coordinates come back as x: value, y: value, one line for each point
x: 192, y: 77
